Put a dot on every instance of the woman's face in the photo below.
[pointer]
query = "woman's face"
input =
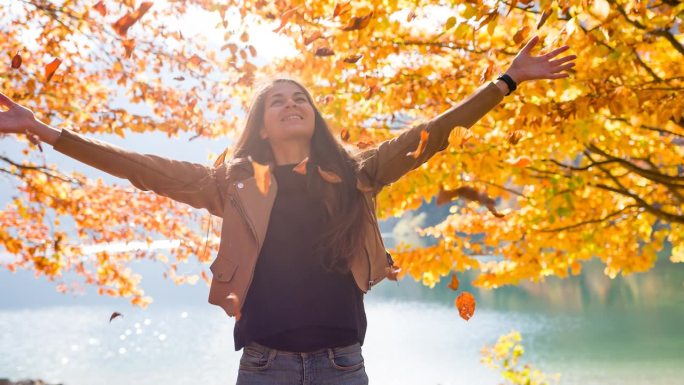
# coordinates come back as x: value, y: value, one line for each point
x: 288, y: 115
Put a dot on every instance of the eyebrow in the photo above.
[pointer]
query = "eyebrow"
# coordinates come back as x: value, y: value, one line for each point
x: 281, y: 95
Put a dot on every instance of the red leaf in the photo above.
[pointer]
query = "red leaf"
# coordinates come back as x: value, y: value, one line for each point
x: 51, y: 68
x: 344, y: 135
x: 308, y: 40
x: 421, y: 144
x: 285, y: 17
x: 341, y: 9
x: 453, y: 285
x: 100, y: 7
x: 358, y: 22
x: 262, y: 175
x: 351, y: 59
x: 114, y: 315
x: 324, y: 51
x: 301, y: 167
x: 122, y: 25
x: 465, y: 303
x: 16, y: 61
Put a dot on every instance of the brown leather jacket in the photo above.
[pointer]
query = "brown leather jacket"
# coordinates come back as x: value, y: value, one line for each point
x: 234, y: 197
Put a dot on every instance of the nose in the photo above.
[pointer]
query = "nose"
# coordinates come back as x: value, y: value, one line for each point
x: 290, y: 103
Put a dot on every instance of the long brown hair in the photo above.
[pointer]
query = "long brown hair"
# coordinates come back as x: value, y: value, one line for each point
x: 343, y: 236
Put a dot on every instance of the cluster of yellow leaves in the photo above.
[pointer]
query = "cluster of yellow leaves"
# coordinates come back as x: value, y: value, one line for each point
x: 505, y: 355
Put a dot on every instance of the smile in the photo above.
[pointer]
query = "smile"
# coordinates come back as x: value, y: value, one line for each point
x: 292, y: 117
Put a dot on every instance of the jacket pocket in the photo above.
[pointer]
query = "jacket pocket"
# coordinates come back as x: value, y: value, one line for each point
x: 223, y: 269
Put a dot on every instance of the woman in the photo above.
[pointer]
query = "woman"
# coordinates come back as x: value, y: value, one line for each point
x: 295, y: 257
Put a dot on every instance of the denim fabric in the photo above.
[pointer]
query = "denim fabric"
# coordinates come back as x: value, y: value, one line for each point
x: 261, y: 365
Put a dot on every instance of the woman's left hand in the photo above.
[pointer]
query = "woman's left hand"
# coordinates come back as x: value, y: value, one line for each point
x: 527, y: 67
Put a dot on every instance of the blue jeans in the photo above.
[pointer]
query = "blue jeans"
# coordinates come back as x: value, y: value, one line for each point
x: 261, y: 365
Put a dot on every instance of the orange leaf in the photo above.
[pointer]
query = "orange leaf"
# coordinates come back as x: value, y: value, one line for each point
x: 236, y: 302
x: 351, y: 59
x: 301, y: 167
x: 128, y: 44
x: 324, y: 51
x: 520, y: 162
x: 100, y: 7
x: 545, y: 15
x: 465, y: 303
x: 285, y: 17
x: 453, y: 285
x: 341, y: 9
x: 16, y: 61
x: 122, y: 25
x: 310, y: 39
x: 195, y: 60
x: 421, y: 144
x: 114, y: 315
x: 51, y: 68
x: 344, y: 135
x: 486, y: 72
x: 521, y: 34
x: 262, y: 175
x: 329, y: 176
x: 514, y: 136
x: 358, y: 22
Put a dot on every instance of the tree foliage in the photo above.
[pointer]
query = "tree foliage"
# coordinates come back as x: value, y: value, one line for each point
x: 559, y: 173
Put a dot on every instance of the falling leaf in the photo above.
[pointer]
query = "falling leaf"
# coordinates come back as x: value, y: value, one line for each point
x: 411, y: 16
x: 521, y: 34
x: 236, y: 303
x: 462, y: 135
x: 470, y: 194
x: 392, y: 272
x: 421, y: 144
x: 300, y: 168
x: 100, y: 8
x: 51, y: 68
x: 16, y: 61
x: 179, y: 78
x: 329, y: 176
x: 358, y: 22
x: 262, y: 175
x: 351, y: 59
x: 195, y: 60
x: 341, y: 8
x: 465, y: 303
x: 324, y: 51
x: 453, y: 285
x: 285, y: 17
x: 344, y: 135
x: 129, y: 44
x: 114, y: 315
x: 545, y: 15
x: 122, y: 25
x: 310, y: 39
x: 520, y: 162
x: 221, y: 158
x: 514, y: 137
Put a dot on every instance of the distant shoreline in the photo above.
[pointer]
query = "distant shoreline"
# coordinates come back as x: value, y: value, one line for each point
x: 6, y: 381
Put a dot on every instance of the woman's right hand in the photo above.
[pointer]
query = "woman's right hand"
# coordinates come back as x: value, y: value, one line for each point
x: 17, y: 119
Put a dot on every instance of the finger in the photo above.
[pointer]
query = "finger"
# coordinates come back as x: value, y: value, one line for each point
x: 562, y: 60
x: 564, y: 67
x: 530, y: 44
x: 558, y: 76
x: 556, y: 52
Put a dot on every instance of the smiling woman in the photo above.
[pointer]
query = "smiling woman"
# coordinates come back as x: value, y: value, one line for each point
x: 300, y: 242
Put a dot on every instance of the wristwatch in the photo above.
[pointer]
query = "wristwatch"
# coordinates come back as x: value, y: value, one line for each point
x: 509, y: 81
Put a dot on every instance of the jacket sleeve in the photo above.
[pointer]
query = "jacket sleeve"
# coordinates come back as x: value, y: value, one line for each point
x: 389, y: 162
x: 186, y: 182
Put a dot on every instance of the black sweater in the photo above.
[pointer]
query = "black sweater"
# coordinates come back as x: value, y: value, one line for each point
x: 294, y: 304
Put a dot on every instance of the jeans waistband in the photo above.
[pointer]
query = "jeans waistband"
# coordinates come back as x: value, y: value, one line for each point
x: 323, y: 351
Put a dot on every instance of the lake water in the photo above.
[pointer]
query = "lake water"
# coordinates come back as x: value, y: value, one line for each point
x: 591, y: 329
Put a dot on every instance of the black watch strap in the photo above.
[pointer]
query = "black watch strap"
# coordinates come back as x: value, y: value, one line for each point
x: 509, y: 81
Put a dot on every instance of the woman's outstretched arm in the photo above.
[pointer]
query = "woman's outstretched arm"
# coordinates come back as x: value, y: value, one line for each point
x: 186, y: 182
x: 388, y: 162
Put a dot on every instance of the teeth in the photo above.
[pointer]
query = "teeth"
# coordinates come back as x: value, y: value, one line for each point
x: 293, y: 117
